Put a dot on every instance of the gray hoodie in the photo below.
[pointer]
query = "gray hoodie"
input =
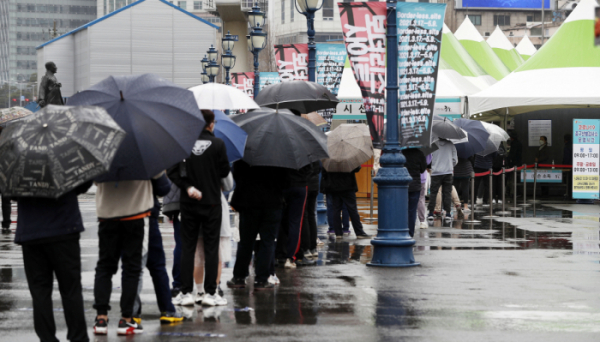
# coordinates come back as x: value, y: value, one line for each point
x: 444, y: 159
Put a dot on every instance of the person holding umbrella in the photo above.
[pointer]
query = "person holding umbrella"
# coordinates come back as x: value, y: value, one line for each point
x: 442, y: 169
x: 416, y: 164
x: 199, y: 178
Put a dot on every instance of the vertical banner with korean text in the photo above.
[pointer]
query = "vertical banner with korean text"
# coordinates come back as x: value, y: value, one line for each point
x: 586, y: 158
x: 363, y: 25
x: 268, y: 78
x: 243, y: 81
x: 419, y: 39
x: 292, y: 62
x: 330, y: 67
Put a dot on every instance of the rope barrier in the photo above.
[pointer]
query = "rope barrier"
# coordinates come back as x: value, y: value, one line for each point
x: 481, y: 174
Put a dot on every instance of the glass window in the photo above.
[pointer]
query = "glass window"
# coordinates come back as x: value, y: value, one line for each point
x: 327, y: 9
x: 283, y: 11
x: 197, y: 5
x: 182, y: 4
x: 502, y: 20
x: 475, y: 19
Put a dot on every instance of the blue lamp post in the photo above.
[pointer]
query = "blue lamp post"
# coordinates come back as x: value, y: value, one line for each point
x: 213, y: 56
x: 227, y: 58
x: 212, y: 70
x: 257, y: 40
x: 204, y: 62
x: 393, y: 245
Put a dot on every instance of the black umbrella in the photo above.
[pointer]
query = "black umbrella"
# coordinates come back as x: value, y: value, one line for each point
x: 281, y: 139
x: 427, y: 150
x: 162, y: 121
x: 445, y: 129
x: 305, y: 97
x: 56, y: 149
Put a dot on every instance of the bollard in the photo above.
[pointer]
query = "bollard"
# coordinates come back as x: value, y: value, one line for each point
x: 491, y: 185
x: 472, y: 220
x: 503, y: 212
x: 534, y: 184
x: 371, y: 219
x: 514, y: 207
x: 525, y: 204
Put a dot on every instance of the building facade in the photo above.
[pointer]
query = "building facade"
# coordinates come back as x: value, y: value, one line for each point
x: 25, y: 24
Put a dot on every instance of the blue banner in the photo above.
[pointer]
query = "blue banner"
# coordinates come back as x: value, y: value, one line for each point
x: 330, y: 65
x: 513, y: 4
x: 268, y: 78
x: 419, y: 39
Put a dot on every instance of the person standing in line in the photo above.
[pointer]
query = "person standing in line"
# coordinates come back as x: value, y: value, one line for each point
x: 288, y: 239
x: 342, y: 188
x: 422, y: 208
x: 48, y: 231
x: 513, y: 158
x: 199, y: 178
x: 171, y: 210
x: 153, y: 258
x: 121, y: 208
x: 416, y: 164
x: 482, y: 184
x: 442, y: 167
x: 345, y: 217
x: 6, y: 209
x: 258, y: 198
x: 462, y: 182
x: 309, y: 223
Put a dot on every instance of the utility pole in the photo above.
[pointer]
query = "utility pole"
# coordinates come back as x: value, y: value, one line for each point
x: 543, y: 22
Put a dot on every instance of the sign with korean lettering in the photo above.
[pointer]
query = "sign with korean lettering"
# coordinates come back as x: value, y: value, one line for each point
x: 543, y: 176
x: 419, y: 40
x: 586, y: 158
x: 292, y: 62
x: 268, y: 78
x: 243, y: 81
x: 363, y: 26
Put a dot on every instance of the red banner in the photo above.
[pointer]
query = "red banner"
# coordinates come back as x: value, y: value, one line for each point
x: 292, y: 62
x: 364, y: 28
x: 244, y: 81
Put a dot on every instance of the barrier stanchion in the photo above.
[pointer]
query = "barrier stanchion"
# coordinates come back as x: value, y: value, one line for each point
x: 525, y: 204
x: 491, y: 196
x: 503, y: 212
x: 534, y: 185
x: 514, y: 207
x: 371, y: 219
x: 472, y: 220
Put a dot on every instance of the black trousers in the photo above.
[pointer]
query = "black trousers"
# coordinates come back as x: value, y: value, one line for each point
x: 118, y: 240
x: 288, y: 239
x: 349, y: 199
x: 482, y: 186
x: 5, y: 212
x: 253, y: 222
x: 309, y: 224
x: 42, y: 262
x: 445, y: 182
x: 208, y: 219
x: 463, y: 186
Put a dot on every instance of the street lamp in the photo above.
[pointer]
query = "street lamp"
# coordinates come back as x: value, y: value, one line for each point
x: 205, y: 78
x: 258, y: 41
x: 212, y: 53
x: 308, y: 9
x: 393, y: 246
x: 256, y: 16
x: 204, y: 62
x: 227, y: 58
x: 212, y: 70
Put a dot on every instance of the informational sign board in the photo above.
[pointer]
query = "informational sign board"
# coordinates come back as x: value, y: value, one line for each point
x: 538, y: 128
x: 447, y: 106
x: 505, y: 4
x: 586, y: 158
x: 543, y: 176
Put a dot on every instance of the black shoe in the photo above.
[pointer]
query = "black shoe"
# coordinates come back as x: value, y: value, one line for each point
x: 263, y: 285
x: 101, y: 326
x: 175, y: 291
x: 305, y: 262
x: 363, y: 236
x: 126, y: 328
x: 236, y: 283
x: 221, y: 293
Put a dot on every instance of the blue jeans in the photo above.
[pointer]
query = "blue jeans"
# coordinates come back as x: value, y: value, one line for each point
x: 413, y: 203
x: 176, y: 271
x: 345, y: 216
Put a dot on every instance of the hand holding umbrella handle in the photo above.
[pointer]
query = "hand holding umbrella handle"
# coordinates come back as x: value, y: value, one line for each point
x: 194, y: 193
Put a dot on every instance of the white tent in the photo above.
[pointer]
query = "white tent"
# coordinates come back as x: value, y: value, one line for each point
x: 565, y: 72
x: 526, y: 48
x: 505, y: 50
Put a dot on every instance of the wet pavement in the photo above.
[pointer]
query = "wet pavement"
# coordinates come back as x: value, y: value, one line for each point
x: 526, y: 277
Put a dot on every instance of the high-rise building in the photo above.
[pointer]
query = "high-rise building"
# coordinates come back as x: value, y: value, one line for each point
x: 25, y: 24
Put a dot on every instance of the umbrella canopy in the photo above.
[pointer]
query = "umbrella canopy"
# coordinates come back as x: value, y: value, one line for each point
x: 161, y: 119
x: 445, y: 128
x: 303, y: 96
x: 349, y: 146
x: 504, y: 49
x: 497, y: 136
x: 564, y: 73
x: 52, y: 152
x: 281, y: 139
x: 220, y: 96
x: 315, y: 118
x: 479, y: 49
x: 427, y: 150
x: 477, y: 137
x: 526, y: 48
x: 233, y: 136
x: 13, y: 113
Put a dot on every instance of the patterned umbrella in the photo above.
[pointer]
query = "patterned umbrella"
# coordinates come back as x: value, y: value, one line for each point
x: 55, y: 150
x: 13, y: 113
x: 349, y: 146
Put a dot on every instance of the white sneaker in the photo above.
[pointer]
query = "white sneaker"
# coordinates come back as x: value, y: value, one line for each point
x: 479, y: 201
x: 187, y: 300
x: 424, y: 225
x: 289, y: 263
x: 447, y: 218
x: 214, y: 300
x: 499, y: 201
x: 177, y: 300
x: 319, y: 242
x: 199, y: 297
x: 273, y: 280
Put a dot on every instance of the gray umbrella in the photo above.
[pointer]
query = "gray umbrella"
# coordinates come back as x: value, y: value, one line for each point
x: 445, y: 129
x: 53, y: 151
x: 281, y: 139
x: 305, y: 97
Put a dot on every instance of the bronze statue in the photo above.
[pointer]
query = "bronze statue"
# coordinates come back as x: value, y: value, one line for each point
x: 50, y: 88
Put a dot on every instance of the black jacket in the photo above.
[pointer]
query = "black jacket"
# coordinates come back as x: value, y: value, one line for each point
x: 258, y: 187
x: 313, y: 178
x: 41, y: 220
x: 544, y: 155
x: 299, y: 178
x: 515, y: 153
x: 464, y: 168
x: 160, y: 187
x: 332, y: 182
x: 204, y: 168
x: 416, y: 165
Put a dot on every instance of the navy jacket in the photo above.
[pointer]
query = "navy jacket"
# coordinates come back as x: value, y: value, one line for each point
x: 258, y: 187
x: 335, y: 182
x: 42, y: 220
